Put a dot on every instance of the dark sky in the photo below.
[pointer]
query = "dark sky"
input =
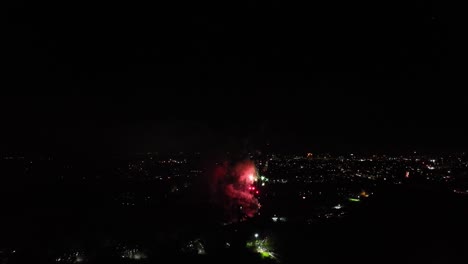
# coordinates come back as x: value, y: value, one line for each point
x: 334, y: 76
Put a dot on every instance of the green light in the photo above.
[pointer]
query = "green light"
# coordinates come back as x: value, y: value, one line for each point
x: 262, y: 178
x: 261, y: 246
x: 354, y: 200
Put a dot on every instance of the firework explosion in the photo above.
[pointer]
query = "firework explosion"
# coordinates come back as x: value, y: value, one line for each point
x: 235, y: 187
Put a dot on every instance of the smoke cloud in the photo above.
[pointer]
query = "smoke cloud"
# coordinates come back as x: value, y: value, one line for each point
x: 234, y: 188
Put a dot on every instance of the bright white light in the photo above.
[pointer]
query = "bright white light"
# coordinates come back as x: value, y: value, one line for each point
x: 256, y: 235
x: 275, y: 219
x: 251, y: 177
x: 263, y: 184
x: 263, y: 178
x: 338, y: 206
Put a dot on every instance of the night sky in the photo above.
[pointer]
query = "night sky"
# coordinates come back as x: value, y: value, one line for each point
x: 252, y: 75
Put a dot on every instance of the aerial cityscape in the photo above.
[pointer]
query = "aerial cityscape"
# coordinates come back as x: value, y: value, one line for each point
x: 237, y: 132
x: 149, y: 206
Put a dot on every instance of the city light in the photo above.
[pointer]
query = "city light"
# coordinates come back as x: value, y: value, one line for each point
x: 337, y: 206
x: 364, y: 194
x: 234, y: 189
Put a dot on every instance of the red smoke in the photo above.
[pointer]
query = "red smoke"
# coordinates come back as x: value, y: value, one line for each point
x: 233, y: 185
